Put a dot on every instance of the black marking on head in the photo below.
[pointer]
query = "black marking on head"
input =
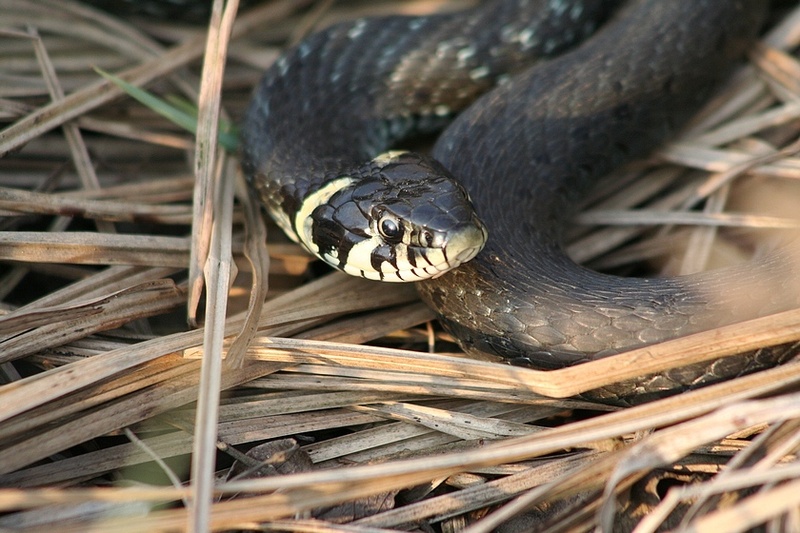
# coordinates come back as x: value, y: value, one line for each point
x: 289, y: 203
x: 345, y: 247
x: 412, y: 257
x: 325, y: 233
x: 381, y: 254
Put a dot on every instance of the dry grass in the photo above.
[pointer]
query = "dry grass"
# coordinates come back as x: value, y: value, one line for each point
x: 109, y: 240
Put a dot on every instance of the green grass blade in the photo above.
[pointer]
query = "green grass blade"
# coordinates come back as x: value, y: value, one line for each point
x: 226, y: 137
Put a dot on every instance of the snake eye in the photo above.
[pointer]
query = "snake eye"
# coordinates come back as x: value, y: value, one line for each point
x: 390, y: 228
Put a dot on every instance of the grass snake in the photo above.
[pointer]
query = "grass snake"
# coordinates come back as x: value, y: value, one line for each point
x: 530, y: 138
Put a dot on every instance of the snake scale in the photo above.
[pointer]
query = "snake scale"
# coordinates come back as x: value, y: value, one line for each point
x: 317, y: 141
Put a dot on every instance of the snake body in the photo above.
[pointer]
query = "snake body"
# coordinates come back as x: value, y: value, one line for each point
x: 316, y: 135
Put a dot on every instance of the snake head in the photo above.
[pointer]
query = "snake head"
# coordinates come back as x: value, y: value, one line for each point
x: 401, y: 217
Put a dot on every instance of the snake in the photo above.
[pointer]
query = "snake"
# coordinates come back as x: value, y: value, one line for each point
x: 535, y: 101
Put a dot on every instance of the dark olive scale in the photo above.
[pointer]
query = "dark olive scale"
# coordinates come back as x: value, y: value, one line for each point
x: 526, y: 152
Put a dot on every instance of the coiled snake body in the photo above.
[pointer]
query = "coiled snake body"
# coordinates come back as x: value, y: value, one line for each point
x: 316, y: 135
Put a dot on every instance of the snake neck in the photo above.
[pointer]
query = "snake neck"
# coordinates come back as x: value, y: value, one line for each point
x: 615, y: 98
